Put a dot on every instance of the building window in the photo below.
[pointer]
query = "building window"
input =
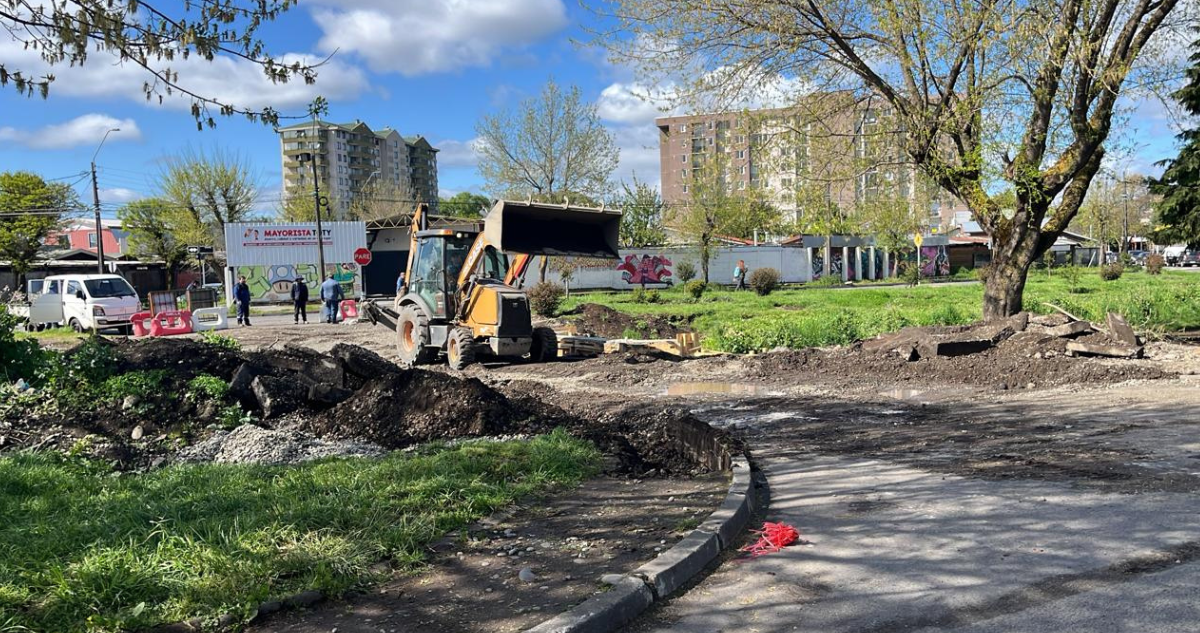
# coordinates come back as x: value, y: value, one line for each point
x: 683, y: 158
x: 683, y: 127
x: 741, y: 184
x: 685, y: 188
x: 741, y: 153
x: 92, y: 240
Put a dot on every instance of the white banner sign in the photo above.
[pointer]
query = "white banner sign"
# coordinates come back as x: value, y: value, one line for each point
x: 265, y: 244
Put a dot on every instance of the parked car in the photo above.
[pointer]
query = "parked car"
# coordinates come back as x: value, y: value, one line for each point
x: 1172, y: 254
x: 1139, y: 257
x: 82, y: 302
x: 1189, y: 258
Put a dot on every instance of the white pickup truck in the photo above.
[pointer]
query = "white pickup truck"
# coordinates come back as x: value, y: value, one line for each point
x: 81, y: 302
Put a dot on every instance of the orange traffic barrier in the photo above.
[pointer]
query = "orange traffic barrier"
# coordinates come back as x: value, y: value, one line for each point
x: 349, y: 309
x: 138, y: 321
x: 171, y: 322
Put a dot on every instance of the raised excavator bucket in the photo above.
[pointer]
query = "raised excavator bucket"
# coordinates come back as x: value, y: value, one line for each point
x: 538, y: 228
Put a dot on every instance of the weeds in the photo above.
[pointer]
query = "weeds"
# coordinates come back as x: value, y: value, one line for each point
x: 206, y: 388
x: 220, y: 340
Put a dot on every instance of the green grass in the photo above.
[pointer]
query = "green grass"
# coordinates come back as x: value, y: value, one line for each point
x: 796, y: 318
x: 52, y: 334
x: 86, y: 549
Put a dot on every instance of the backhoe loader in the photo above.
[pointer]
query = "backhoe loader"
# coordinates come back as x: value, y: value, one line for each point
x: 464, y: 296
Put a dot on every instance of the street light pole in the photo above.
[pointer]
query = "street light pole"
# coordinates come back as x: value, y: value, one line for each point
x: 312, y: 157
x: 96, y: 205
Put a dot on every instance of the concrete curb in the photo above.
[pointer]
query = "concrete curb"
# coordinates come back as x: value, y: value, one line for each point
x: 672, y: 569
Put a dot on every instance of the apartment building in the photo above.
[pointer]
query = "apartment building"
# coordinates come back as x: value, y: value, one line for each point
x: 351, y: 158
x: 829, y: 150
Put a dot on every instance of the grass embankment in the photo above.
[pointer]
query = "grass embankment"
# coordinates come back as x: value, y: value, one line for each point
x: 806, y: 317
x: 86, y: 549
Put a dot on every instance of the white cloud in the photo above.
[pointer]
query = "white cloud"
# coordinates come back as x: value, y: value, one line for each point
x: 120, y: 195
x: 88, y: 129
x: 639, y: 154
x: 229, y: 80
x: 632, y: 103
x: 417, y: 37
x: 458, y: 153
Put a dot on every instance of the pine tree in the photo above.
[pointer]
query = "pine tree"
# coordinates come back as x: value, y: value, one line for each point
x: 1179, y: 211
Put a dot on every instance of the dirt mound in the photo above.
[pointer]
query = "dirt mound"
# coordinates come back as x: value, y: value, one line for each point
x: 597, y: 320
x: 417, y: 406
x: 182, y: 356
x: 250, y: 444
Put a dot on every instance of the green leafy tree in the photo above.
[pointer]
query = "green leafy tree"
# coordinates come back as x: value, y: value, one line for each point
x: 989, y: 94
x: 205, y: 191
x: 30, y: 209
x: 296, y: 206
x: 151, y: 236
x: 711, y: 208
x: 1178, y: 213
x: 149, y: 35
x: 465, y: 205
x: 550, y: 145
x: 642, y: 213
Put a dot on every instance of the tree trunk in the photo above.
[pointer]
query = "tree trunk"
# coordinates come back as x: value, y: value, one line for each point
x: 1004, y: 290
x: 705, y: 255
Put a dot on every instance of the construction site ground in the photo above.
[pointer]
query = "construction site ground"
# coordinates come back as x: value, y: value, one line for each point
x: 1017, y: 489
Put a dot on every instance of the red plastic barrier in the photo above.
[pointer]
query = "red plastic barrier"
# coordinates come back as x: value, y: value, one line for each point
x: 138, y: 321
x: 171, y: 322
x: 349, y: 309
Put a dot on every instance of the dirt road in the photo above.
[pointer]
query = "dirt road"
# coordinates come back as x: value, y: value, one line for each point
x: 1012, y: 492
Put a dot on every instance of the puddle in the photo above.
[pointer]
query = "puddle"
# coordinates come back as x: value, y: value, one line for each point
x: 902, y: 394
x: 702, y: 388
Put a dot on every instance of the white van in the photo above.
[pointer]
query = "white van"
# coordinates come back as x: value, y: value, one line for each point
x: 82, y: 302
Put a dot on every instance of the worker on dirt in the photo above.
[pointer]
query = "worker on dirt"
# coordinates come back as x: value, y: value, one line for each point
x: 299, y: 301
x: 241, y: 294
x: 332, y: 295
x: 739, y: 275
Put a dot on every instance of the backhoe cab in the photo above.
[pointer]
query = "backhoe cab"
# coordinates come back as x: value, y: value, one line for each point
x: 464, y: 294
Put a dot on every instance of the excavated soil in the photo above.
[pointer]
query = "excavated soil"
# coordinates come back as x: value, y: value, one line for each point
x: 593, y: 319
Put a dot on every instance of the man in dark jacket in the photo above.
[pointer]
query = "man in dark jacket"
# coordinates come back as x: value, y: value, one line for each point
x: 300, y: 300
x: 332, y: 295
x: 241, y: 294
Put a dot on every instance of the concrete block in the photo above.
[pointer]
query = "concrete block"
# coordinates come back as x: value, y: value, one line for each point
x: 1070, y: 329
x: 1120, y: 330
x: 676, y: 566
x: 277, y: 396
x: 1113, y: 351
x: 602, y: 613
x: 961, y: 347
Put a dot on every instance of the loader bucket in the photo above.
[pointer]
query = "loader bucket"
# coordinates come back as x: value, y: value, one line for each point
x: 535, y: 228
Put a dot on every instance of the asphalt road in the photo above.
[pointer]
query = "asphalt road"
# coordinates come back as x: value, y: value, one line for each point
x: 889, y: 548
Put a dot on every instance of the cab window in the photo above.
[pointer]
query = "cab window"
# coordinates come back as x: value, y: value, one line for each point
x: 493, y: 264
x: 72, y: 288
x: 54, y: 287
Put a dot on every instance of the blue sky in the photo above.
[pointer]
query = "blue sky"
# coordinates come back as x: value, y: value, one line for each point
x: 429, y: 67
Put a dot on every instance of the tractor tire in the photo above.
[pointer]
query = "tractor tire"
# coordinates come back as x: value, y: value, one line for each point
x: 412, y: 337
x: 460, y: 348
x: 545, y: 345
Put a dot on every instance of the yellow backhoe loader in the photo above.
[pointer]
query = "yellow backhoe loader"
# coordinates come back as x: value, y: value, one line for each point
x: 463, y: 294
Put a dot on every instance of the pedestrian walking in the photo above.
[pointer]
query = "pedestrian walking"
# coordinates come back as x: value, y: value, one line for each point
x: 739, y: 275
x: 241, y: 294
x: 300, y: 301
x: 332, y: 295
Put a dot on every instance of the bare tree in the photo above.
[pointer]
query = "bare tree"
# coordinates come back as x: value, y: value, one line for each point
x: 552, y: 144
x: 150, y: 35
x: 1015, y: 91
x: 381, y: 199
x: 206, y: 191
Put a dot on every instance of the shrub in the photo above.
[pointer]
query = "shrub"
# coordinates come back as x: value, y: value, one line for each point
x: 764, y: 280
x: 18, y: 358
x: 695, y: 288
x: 685, y: 271
x: 220, y: 340
x: 545, y: 297
x: 641, y: 295
x: 911, y: 274
x: 1111, y: 272
x: 827, y: 281
x: 1154, y: 264
x: 1073, y: 276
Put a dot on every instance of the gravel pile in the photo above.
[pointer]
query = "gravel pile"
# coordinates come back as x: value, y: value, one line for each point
x: 249, y: 444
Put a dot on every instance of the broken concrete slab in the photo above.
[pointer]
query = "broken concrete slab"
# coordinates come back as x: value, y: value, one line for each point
x: 1067, y: 330
x: 1099, y: 349
x: 958, y: 347
x: 311, y: 365
x: 240, y: 385
x: 327, y: 395
x: 278, y: 396
x: 1119, y: 329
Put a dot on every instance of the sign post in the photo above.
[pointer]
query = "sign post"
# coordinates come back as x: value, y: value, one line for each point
x: 362, y: 257
x: 918, y: 239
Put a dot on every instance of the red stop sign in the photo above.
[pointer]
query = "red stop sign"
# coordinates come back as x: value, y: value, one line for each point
x: 362, y: 257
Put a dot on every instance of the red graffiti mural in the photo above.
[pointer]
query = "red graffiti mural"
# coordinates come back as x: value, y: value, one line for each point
x: 649, y: 269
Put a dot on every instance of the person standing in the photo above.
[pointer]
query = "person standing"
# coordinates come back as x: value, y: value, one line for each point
x: 300, y: 300
x: 331, y: 294
x: 739, y: 275
x: 401, y: 290
x: 241, y: 294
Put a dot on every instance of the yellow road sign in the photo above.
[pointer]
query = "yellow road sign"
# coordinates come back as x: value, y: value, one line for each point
x: 917, y: 239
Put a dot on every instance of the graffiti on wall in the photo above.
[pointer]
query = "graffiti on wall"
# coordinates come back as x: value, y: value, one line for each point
x: 648, y: 269
x: 274, y: 283
x: 935, y: 262
x: 835, y: 263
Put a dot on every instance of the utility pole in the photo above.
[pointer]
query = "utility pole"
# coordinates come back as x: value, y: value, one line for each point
x: 96, y: 206
x: 320, y: 233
